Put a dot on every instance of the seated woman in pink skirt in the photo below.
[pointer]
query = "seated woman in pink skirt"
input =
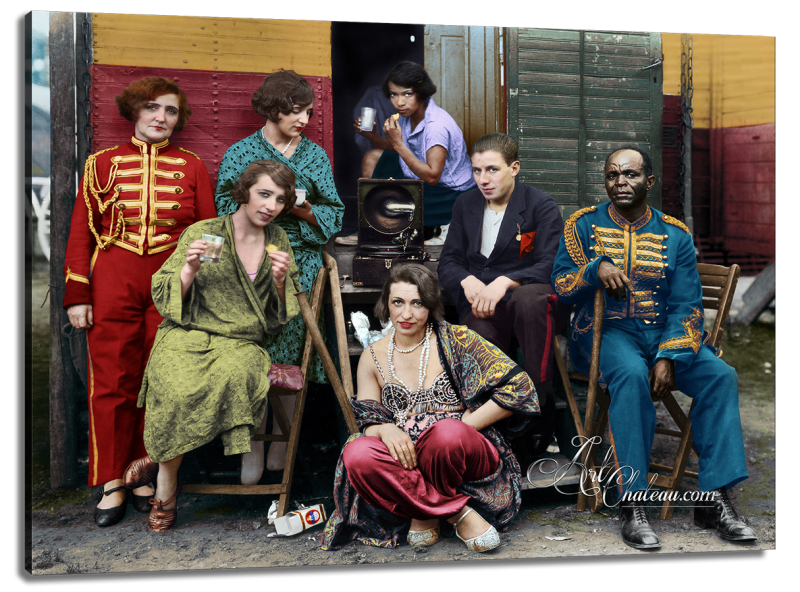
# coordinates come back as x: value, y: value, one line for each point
x: 428, y: 396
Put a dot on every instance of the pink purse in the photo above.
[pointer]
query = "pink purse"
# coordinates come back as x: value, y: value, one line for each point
x: 286, y: 377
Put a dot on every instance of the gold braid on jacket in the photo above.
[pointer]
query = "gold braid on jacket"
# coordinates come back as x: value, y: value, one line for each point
x: 571, y: 240
x: 90, y: 185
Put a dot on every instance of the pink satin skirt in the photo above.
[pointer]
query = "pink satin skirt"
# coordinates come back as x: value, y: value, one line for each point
x: 448, y: 453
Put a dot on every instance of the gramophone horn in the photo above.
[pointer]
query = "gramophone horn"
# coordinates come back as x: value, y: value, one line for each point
x: 388, y: 209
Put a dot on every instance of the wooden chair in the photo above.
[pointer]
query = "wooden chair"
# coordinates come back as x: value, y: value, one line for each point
x: 719, y: 284
x: 343, y: 388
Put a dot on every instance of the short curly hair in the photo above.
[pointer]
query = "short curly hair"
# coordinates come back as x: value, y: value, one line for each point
x: 410, y: 75
x: 280, y: 174
x: 280, y: 92
x: 427, y: 285
x: 131, y: 100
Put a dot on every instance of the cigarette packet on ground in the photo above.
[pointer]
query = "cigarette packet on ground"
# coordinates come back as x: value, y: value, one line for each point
x: 297, y: 521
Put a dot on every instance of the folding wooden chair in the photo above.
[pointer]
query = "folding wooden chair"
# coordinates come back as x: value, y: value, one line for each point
x: 719, y: 284
x: 343, y: 388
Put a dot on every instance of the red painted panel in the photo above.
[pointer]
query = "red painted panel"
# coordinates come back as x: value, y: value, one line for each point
x: 748, y: 179
x: 701, y: 183
x: 221, y: 110
x: 670, y: 157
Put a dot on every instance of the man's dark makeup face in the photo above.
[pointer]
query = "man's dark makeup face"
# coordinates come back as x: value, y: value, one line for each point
x: 626, y: 182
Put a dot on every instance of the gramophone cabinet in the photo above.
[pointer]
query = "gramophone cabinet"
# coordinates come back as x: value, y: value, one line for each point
x: 390, y: 229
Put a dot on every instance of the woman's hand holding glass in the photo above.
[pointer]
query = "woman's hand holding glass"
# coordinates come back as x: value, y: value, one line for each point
x: 193, y: 262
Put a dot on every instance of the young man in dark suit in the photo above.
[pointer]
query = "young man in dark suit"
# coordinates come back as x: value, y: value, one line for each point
x: 496, y: 264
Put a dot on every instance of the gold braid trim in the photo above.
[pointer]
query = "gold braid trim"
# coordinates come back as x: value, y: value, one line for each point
x: 189, y: 152
x: 90, y: 185
x: 675, y: 222
x: 71, y: 275
x: 692, y: 336
x: 571, y: 240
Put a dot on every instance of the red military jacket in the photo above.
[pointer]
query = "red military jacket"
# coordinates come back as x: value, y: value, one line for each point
x: 138, y: 197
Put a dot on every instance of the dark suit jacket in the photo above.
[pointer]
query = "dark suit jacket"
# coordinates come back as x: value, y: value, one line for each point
x: 533, y: 210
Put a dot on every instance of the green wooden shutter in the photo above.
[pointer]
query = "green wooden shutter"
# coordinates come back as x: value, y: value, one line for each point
x: 575, y: 96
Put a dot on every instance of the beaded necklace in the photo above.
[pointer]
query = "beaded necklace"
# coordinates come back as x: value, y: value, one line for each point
x: 423, y: 357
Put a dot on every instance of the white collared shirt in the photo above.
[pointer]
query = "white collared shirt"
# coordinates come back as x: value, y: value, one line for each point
x: 491, y: 228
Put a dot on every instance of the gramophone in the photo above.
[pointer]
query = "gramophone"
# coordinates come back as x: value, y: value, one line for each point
x: 389, y: 228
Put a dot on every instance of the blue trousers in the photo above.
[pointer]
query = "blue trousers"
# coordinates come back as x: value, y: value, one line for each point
x: 628, y: 351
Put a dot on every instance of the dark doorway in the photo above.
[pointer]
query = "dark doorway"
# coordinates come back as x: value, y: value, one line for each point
x: 361, y: 55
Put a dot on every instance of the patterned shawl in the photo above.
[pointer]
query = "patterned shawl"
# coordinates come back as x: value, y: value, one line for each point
x: 478, y: 371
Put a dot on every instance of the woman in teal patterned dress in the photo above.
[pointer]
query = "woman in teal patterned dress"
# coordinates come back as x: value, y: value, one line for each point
x: 286, y: 100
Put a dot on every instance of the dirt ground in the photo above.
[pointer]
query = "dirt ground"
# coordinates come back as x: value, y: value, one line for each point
x: 232, y: 532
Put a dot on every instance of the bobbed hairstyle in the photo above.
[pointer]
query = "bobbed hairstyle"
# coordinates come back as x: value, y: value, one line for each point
x: 279, y: 92
x: 427, y: 285
x: 410, y: 75
x: 647, y: 164
x: 131, y: 100
x: 500, y: 143
x: 280, y: 174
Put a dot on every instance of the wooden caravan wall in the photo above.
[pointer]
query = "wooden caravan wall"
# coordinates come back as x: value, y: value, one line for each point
x: 733, y: 141
x: 464, y: 64
x: 218, y: 63
x: 573, y: 97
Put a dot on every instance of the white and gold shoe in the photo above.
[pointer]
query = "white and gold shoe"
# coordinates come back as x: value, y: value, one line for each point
x: 424, y: 538
x: 483, y: 542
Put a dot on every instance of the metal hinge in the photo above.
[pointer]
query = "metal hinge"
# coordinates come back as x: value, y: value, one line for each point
x: 656, y: 62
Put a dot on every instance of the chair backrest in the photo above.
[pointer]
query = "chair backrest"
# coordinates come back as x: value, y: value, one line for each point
x: 719, y: 284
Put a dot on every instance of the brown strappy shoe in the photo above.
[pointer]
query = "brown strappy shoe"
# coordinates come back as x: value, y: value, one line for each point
x: 140, y: 473
x: 160, y: 519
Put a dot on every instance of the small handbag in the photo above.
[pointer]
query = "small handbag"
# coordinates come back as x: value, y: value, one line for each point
x: 285, y: 376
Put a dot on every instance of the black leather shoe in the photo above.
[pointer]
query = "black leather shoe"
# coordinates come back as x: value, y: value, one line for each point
x: 720, y: 515
x: 141, y: 502
x: 110, y: 516
x: 635, y: 529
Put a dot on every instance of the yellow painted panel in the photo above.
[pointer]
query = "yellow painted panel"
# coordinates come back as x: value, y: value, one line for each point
x: 747, y: 102
x: 743, y: 118
x: 733, y: 78
x: 202, y: 43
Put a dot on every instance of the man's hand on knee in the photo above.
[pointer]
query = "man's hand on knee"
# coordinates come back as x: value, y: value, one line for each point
x: 662, y: 378
x: 484, y: 304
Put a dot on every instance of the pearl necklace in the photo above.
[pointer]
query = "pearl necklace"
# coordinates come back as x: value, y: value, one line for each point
x: 264, y: 134
x: 404, y: 351
x: 423, y: 357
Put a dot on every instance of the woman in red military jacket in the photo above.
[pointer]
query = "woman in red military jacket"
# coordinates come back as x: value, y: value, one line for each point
x: 133, y: 203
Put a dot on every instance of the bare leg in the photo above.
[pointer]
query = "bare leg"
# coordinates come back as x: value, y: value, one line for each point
x: 276, y: 457
x: 253, y: 461
x: 424, y: 524
x: 369, y: 161
x: 472, y: 525
x: 168, y: 480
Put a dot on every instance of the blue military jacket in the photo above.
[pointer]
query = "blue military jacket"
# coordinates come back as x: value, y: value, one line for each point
x: 657, y: 254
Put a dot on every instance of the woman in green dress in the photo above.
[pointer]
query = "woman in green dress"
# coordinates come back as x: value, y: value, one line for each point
x: 286, y: 101
x: 207, y: 373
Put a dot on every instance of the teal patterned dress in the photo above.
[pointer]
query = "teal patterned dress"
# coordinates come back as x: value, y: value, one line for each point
x: 207, y: 372
x: 312, y: 170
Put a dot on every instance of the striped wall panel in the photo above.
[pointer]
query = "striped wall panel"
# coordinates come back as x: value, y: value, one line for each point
x: 574, y: 97
x: 205, y: 43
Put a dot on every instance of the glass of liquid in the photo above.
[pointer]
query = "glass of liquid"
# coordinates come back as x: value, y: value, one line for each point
x: 213, y: 252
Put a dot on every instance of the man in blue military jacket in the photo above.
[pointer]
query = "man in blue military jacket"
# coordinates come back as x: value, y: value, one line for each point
x: 652, y: 340
x: 496, y: 264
